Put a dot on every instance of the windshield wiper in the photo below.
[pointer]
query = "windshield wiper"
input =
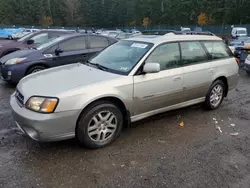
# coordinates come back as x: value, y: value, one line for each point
x: 101, y: 67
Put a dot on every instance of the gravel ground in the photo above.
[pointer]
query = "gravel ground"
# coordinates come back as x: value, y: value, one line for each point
x: 211, y: 150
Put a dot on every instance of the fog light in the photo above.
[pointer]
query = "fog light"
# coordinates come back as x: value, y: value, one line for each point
x: 9, y: 73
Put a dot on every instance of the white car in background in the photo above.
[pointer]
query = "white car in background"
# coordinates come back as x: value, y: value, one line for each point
x: 23, y: 33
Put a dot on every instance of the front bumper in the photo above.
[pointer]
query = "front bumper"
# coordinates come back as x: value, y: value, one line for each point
x: 44, y: 127
x: 12, y: 73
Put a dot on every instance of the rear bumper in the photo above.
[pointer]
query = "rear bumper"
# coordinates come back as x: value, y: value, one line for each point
x: 44, y: 127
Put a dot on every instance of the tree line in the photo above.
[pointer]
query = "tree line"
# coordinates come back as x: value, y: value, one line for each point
x: 120, y: 13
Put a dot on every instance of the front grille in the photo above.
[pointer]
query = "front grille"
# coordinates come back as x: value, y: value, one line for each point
x: 19, y: 98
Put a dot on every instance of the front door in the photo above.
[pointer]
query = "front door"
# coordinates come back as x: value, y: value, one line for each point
x: 163, y: 89
x: 73, y: 50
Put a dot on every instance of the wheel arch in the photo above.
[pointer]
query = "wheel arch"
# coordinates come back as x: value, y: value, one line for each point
x: 115, y: 100
x: 36, y: 64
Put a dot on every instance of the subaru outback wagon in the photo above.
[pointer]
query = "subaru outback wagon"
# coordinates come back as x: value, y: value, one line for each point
x: 128, y: 81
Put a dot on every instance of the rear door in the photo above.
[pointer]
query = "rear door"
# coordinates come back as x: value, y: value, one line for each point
x: 198, y: 73
x: 97, y: 44
x: 73, y: 50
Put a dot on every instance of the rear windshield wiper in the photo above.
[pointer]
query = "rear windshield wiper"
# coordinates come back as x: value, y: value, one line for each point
x: 101, y: 67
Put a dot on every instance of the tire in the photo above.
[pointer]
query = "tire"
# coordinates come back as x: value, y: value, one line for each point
x: 90, y: 127
x: 35, y: 69
x: 218, y: 96
x: 248, y: 73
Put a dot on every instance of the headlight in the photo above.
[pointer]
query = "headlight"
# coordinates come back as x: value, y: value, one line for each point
x: 42, y: 104
x: 15, y: 61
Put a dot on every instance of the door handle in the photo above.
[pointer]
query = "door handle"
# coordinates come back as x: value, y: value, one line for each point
x: 211, y: 70
x: 176, y: 78
x: 84, y: 55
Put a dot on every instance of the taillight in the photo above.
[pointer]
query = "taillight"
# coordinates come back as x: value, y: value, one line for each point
x: 237, y: 60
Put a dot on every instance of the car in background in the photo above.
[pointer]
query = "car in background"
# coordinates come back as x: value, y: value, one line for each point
x: 110, y: 33
x: 199, y: 29
x: 55, y: 52
x: 185, y: 29
x: 130, y: 80
x: 246, y: 43
x: 238, y: 32
x: 135, y: 31
x: 239, y: 42
x: 24, y: 32
x: 157, y: 32
x: 247, y: 65
x: 29, y: 41
x: 7, y: 33
x: 123, y: 35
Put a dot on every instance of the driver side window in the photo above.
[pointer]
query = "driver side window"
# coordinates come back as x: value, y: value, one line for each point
x: 167, y: 55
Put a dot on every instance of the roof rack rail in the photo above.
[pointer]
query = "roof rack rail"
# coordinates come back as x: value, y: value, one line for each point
x: 194, y: 33
x: 164, y: 32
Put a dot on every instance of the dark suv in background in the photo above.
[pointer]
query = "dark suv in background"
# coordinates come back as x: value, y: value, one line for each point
x: 29, y: 40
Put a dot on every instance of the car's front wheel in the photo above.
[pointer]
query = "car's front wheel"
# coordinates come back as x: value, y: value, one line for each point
x: 99, y: 125
x: 35, y: 69
x: 215, y: 95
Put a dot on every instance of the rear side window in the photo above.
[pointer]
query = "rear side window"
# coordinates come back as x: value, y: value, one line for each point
x: 77, y: 43
x: 192, y: 53
x: 217, y: 49
x: 98, y: 42
x: 40, y: 38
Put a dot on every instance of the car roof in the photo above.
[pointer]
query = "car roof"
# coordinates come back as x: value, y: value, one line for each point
x: 240, y: 28
x: 170, y: 37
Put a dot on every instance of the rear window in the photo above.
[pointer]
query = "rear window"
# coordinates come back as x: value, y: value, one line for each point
x: 217, y: 49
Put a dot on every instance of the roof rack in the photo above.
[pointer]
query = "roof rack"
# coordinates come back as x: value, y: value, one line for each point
x: 193, y: 33
x: 164, y: 32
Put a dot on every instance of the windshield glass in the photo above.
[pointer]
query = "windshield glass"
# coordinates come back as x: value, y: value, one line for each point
x: 25, y: 37
x: 49, y: 42
x: 122, y: 56
x: 241, y: 32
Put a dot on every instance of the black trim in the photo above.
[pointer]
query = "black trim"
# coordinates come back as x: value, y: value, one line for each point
x: 46, y: 97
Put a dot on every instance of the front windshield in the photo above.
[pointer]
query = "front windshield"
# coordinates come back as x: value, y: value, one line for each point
x: 25, y: 37
x: 49, y: 42
x: 241, y: 32
x: 122, y: 56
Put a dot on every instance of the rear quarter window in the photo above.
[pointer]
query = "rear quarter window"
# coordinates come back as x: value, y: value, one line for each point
x: 217, y: 49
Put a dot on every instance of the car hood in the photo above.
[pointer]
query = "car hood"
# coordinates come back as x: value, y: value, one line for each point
x: 54, y: 81
x: 17, y: 54
x: 5, y: 42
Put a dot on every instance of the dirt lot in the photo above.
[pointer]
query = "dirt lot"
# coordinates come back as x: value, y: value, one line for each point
x: 211, y: 150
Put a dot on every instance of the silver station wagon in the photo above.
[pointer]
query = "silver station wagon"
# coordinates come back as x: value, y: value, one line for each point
x: 128, y: 81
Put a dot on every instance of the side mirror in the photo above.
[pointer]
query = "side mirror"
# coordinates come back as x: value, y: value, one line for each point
x: 151, y: 68
x: 58, y: 51
x: 29, y: 42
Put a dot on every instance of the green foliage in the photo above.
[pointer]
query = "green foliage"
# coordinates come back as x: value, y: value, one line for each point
x: 112, y: 13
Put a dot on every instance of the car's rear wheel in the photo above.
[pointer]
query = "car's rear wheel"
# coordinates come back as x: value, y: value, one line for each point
x: 35, y: 69
x: 99, y: 125
x: 215, y: 95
